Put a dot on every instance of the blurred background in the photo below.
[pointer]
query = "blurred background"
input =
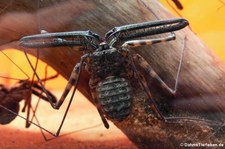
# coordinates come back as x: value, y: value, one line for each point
x: 207, y: 20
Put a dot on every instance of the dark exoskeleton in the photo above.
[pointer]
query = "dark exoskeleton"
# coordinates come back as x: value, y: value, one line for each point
x: 110, y: 64
x: 11, y: 97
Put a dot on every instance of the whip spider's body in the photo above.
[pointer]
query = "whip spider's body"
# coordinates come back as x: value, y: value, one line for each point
x: 111, y: 65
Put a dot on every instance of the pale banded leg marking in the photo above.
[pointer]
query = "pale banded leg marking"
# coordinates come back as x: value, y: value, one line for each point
x: 144, y: 64
x: 143, y: 82
x: 71, y: 82
x: 137, y: 43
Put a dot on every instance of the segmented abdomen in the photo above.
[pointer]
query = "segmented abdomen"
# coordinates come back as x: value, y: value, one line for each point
x: 114, y: 95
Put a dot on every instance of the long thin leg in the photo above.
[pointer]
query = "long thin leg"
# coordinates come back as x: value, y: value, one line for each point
x: 35, y: 90
x: 140, y: 61
x: 39, y: 80
x: 144, y: 64
x: 137, y: 59
x: 40, y: 93
x: 154, y: 107
x: 142, y: 81
x: 92, y: 84
x: 29, y: 96
x: 137, y: 43
x: 73, y: 81
x: 151, y: 101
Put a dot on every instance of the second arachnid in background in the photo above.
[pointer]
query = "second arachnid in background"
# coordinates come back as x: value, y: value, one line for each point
x: 23, y: 90
x: 111, y: 64
x: 177, y: 3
